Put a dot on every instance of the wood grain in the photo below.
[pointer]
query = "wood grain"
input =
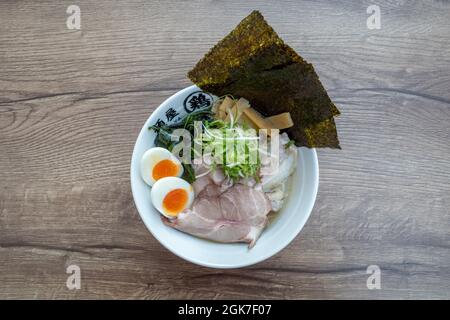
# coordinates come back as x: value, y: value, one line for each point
x: 73, y: 102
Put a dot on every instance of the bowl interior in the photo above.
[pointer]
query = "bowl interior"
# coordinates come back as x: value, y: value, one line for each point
x: 279, y: 233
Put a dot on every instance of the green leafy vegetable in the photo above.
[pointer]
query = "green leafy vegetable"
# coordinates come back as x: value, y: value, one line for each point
x: 188, y: 174
x: 164, y: 135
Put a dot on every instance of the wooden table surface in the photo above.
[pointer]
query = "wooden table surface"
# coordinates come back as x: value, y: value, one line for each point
x: 73, y: 101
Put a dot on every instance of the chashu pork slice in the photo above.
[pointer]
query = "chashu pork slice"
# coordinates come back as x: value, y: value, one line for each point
x: 238, y: 214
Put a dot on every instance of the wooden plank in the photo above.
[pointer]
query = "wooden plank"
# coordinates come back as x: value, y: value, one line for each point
x: 73, y: 102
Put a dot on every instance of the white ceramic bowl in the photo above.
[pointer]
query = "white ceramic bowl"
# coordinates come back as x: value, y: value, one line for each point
x: 274, y: 238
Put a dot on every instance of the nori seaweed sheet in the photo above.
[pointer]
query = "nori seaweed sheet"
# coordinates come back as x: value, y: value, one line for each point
x: 253, y: 62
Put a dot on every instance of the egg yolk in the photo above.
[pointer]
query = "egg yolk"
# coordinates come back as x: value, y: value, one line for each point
x: 164, y: 168
x: 175, y: 201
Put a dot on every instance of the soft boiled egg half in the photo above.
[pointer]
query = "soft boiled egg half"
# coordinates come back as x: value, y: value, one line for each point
x: 171, y: 195
x: 158, y: 163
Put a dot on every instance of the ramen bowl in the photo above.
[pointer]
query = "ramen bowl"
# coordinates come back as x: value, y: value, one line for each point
x: 286, y: 225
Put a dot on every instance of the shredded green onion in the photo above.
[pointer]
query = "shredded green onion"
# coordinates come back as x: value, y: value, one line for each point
x: 232, y: 148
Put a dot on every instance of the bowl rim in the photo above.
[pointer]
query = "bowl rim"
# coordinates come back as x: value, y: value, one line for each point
x: 269, y: 254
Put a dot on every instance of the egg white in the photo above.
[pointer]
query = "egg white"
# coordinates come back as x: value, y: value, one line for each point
x: 163, y: 186
x: 151, y: 157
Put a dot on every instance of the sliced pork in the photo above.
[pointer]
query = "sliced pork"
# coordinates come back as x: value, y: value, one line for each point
x: 210, y: 176
x: 238, y: 214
